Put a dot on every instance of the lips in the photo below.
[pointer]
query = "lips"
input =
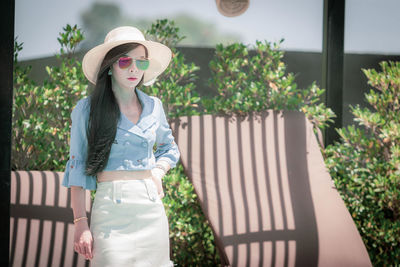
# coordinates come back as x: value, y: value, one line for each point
x: 132, y: 79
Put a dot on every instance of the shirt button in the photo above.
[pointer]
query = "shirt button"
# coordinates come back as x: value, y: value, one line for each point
x: 127, y: 143
x: 144, y: 144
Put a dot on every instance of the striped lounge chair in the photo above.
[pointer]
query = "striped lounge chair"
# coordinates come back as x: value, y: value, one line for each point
x: 41, y: 227
x: 263, y: 186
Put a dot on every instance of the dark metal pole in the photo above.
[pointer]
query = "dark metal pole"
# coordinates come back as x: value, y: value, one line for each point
x: 332, y: 63
x: 7, y: 8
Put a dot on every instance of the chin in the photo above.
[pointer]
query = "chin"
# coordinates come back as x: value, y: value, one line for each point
x: 132, y: 85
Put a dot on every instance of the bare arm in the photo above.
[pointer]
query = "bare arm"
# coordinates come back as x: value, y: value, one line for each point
x: 78, y: 202
x: 83, y: 240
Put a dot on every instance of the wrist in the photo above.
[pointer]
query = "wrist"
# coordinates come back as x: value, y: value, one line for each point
x: 80, y: 219
x: 157, y: 173
x: 82, y: 223
x: 164, y: 165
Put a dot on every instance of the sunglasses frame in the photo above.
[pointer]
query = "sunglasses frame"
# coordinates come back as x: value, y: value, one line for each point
x: 131, y: 62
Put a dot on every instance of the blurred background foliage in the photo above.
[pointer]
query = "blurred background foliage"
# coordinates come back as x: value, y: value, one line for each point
x: 175, y: 86
x: 247, y: 79
x: 100, y: 18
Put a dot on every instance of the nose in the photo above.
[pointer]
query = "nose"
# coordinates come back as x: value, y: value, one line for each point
x: 133, y: 68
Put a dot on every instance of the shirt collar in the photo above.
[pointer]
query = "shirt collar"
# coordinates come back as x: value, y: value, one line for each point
x: 146, y: 117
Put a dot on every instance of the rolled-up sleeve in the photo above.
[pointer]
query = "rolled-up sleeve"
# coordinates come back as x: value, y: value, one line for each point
x: 74, y: 174
x: 166, y: 150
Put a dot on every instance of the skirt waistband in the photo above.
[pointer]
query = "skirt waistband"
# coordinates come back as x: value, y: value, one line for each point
x: 108, y: 176
x: 126, y: 190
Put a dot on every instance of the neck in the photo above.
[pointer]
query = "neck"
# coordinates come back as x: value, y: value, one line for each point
x: 125, y: 98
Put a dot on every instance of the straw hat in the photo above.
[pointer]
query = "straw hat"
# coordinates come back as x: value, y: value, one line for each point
x: 158, y: 54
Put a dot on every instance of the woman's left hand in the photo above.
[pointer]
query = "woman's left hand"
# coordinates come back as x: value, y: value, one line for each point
x: 157, y: 175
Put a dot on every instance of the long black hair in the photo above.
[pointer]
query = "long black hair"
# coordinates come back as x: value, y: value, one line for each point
x: 104, y: 113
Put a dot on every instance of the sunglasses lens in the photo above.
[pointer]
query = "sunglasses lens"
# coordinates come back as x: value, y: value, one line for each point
x: 124, y: 62
x: 142, y: 64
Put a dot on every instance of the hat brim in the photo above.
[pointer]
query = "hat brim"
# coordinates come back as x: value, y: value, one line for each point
x: 158, y: 54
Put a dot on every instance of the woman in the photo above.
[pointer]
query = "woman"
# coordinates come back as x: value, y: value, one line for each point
x: 112, y: 137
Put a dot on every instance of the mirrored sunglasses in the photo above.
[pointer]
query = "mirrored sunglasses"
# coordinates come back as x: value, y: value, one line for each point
x: 126, y: 62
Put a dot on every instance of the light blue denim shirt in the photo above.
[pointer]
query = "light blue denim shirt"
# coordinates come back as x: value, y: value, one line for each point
x: 133, y: 145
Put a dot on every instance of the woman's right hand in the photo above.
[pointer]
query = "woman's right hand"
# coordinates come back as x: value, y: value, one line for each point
x: 83, y: 240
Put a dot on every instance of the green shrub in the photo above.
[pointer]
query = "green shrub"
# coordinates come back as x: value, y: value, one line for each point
x: 23, y: 103
x: 365, y: 165
x: 192, y: 239
x: 251, y: 81
x: 41, y: 113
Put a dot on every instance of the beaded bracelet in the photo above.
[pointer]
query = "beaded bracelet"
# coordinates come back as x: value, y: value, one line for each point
x: 80, y: 218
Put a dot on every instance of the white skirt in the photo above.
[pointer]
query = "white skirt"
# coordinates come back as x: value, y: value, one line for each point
x: 129, y: 225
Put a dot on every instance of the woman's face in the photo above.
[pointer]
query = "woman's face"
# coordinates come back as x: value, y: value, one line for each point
x: 127, y: 78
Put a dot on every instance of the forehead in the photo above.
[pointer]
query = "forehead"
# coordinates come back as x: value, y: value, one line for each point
x: 139, y: 51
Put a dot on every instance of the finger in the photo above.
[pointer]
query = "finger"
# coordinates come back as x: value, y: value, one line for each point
x: 90, y: 250
x: 83, y: 249
x: 76, y: 248
x: 87, y: 252
x: 87, y: 255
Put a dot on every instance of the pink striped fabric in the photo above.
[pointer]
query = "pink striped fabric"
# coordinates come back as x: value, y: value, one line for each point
x: 263, y: 186
x: 41, y: 227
